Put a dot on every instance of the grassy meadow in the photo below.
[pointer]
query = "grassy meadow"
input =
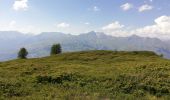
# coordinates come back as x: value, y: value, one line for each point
x: 87, y: 75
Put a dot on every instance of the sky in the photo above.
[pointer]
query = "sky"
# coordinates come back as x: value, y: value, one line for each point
x: 149, y: 18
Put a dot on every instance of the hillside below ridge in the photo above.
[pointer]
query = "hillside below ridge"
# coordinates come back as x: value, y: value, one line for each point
x: 90, y: 75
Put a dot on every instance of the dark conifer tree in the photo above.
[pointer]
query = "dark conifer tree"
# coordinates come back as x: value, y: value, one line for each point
x: 55, y: 49
x: 22, y: 54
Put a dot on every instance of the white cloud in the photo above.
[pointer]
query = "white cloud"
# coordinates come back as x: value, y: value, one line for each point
x: 161, y: 26
x: 126, y: 6
x: 14, y: 26
x: 12, y: 23
x: 63, y: 25
x: 114, y: 29
x: 95, y: 8
x: 145, y: 8
x: 20, y: 5
x: 113, y: 26
x: 151, y: 0
x: 160, y: 29
x: 87, y: 23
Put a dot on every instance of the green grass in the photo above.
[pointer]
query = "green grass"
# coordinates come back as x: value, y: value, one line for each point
x: 88, y: 75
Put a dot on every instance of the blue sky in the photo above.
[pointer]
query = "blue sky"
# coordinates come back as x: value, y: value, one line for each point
x: 114, y: 17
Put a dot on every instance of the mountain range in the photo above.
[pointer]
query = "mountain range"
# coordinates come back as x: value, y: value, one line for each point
x: 39, y: 45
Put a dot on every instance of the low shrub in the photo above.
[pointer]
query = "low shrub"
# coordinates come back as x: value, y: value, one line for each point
x: 10, y: 90
x: 56, y: 80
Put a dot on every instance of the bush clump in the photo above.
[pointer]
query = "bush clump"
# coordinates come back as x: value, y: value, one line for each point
x: 56, y: 80
x: 11, y: 90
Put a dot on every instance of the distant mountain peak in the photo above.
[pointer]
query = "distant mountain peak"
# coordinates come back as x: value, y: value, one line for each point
x: 95, y: 34
x: 135, y: 36
x: 91, y: 32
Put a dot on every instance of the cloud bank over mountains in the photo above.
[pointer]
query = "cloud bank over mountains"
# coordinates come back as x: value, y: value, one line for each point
x: 160, y: 29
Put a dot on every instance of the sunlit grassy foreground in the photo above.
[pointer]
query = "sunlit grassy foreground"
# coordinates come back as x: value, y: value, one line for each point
x: 89, y: 75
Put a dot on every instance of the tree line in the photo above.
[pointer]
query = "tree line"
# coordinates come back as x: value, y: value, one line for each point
x: 55, y: 49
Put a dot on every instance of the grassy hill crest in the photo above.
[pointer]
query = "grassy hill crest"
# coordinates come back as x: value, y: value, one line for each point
x: 89, y: 75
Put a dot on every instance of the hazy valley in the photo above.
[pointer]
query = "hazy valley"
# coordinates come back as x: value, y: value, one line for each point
x: 39, y: 45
